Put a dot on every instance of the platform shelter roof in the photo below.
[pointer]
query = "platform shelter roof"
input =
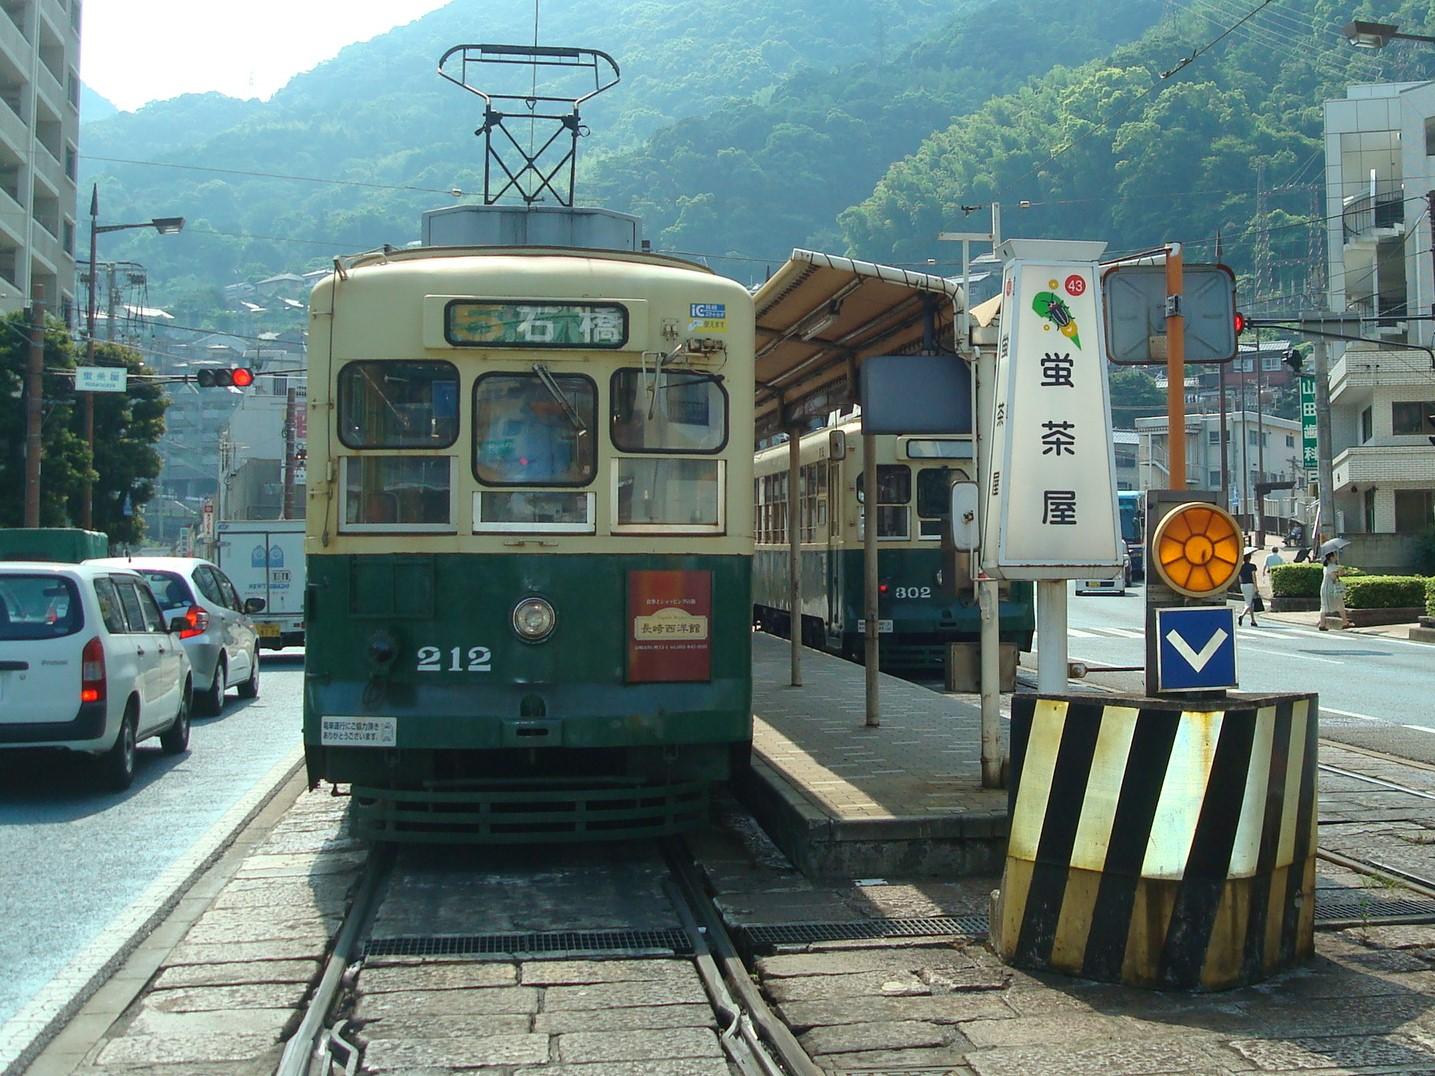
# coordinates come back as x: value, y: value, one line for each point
x: 821, y: 315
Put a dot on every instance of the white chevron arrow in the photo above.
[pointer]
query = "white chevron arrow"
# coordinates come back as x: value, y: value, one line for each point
x: 1196, y: 660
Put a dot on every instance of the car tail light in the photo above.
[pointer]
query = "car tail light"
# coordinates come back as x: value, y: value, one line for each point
x: 92, y: 671
x: 198, y: 621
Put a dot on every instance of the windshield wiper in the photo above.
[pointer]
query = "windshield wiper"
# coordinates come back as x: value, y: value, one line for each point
x: 569, y: 411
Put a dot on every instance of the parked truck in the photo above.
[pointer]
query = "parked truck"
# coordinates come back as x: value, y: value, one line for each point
x: 265, y: 559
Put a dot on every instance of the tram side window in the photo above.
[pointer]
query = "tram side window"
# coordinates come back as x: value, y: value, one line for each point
x: 398, y: 493
x: 668, y: 494
x: 894, y: 494
x: 934, y: 498
x: 667, y: 411
x: 534, y: 429
x: 398, y: 404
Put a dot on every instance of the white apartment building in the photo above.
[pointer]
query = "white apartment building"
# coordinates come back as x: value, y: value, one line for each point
x: 1379, y: 167
x: 39, y: 152
x: 1259, y: 449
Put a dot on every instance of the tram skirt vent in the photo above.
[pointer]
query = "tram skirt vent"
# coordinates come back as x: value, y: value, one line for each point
x: 553, y: 946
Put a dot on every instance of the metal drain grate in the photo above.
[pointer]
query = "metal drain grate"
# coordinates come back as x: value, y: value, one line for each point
x: 555, y: 945
x: 966, y: 926
x: 1365, y: 905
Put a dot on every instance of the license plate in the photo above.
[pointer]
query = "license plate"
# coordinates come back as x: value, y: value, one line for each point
x: 884, y: 627
x: 267, y: 631
x: 359, y: 732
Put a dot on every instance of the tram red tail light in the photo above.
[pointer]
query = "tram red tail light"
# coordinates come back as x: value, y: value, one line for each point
x: 92, y: 671
x: 882, y: 588
x: 198, y: 621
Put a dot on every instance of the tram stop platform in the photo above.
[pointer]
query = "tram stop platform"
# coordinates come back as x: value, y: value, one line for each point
x: 843, y: 800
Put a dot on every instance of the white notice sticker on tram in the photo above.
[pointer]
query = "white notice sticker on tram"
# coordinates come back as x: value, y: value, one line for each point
x: 359, y: 732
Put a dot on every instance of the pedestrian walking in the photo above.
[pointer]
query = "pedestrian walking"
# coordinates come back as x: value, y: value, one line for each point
x: 1273, y: 560
x: 1248, y: 588
x: 1332, y: 593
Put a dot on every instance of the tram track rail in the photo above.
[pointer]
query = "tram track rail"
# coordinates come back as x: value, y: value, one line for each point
x: 753, y: 1038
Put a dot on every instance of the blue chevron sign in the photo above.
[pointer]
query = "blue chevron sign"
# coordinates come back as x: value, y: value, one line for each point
x: 1195, y: 648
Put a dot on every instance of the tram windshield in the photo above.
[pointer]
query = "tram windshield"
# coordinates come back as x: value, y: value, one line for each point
x: 667, y: 411
x: 934, y: 498
x: 534, y: 429
x: 894, y: 494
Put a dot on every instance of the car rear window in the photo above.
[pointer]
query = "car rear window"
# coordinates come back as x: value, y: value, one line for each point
x: 170, y: 589
x: 38, y: 607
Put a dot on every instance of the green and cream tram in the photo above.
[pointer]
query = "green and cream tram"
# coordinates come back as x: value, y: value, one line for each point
x: 529, y: 540
x: 920, y: 606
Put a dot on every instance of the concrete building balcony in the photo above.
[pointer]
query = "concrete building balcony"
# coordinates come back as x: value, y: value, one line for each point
x: 1389, y: 465
x: 1356, y: 374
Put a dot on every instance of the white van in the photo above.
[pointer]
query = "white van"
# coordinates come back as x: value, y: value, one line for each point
x: 88, y: 664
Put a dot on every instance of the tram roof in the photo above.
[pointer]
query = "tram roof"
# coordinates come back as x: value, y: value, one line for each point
x: 820, y: 315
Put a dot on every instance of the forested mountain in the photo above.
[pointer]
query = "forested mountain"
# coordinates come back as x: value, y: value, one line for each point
x: 345, y: 157
x: 844, y: 124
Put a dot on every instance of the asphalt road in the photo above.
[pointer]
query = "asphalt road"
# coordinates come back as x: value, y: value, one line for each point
x: 75, y: 859
x: 1360, y: 678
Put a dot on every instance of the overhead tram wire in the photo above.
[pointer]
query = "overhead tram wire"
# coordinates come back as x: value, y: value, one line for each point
x: 1211, y: 44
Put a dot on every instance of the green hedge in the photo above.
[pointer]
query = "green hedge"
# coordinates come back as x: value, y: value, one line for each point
x: 1385, y: 591
x: 1296, y: 580
x: 1430, y: 596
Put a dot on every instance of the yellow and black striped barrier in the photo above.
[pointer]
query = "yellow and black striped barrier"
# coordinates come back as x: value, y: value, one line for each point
x: 1156, y: 844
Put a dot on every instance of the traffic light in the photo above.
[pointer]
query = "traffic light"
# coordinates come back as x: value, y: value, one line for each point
x: 239, y: 377
x: 1293, y: 359
x: 1240, y: 322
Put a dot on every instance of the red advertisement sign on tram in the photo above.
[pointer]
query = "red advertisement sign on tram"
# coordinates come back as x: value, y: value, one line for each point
x: 669, y: 626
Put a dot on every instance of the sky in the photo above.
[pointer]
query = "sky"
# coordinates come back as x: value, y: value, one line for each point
x: 136, y: 51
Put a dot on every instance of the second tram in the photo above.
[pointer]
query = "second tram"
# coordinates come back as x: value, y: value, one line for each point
x: 921, y: 609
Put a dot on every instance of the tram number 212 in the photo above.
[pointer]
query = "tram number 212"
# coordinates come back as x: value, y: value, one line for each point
x: 473, y: 659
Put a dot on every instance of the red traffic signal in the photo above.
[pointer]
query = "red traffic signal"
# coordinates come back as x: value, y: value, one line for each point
x: 239, y: 377
x: 1240, y: 321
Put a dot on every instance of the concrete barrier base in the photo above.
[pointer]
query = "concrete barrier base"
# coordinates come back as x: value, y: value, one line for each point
x: 1160, y: 842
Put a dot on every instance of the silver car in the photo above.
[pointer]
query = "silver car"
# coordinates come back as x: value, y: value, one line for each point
x: 221, y: 640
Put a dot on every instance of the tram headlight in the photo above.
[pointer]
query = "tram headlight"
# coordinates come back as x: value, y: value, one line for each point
x: 533, y: 619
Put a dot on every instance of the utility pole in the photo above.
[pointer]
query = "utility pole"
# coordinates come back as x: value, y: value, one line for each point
x: 289, y: 446
x: 1260, y: 509
x: 34, y: 406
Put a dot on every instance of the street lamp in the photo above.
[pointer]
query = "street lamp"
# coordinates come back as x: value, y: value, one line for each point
x: 1376, y: 35
x: 164, y: 226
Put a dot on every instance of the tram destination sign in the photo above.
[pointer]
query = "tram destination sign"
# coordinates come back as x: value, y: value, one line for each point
x: 535, y: 323
x: 1050, y: 492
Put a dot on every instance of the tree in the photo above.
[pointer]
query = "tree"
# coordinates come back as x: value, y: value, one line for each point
x: 1134, y: 394
x: 65, y: 457
x: 127, y: 425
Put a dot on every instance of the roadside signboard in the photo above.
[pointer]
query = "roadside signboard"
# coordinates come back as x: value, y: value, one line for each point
x: 1051, y: 491
x: 101, y: 379
x: 1310, y: 451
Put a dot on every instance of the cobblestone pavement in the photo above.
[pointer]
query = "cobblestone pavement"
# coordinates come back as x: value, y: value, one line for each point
x: 1366, y: 1003
x: 227, y: 995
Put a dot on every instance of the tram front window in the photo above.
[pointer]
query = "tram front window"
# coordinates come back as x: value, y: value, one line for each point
x: 667, y: 411
x: 934, y: 498
x: 398, y: 404
x: 670, y: 494
x: 534, y: 429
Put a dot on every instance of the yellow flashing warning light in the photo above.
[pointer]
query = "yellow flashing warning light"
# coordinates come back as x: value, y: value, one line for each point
x: 1197, y: 549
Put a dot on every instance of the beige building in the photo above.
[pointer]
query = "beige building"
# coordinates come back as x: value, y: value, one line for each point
x: 39, y: 152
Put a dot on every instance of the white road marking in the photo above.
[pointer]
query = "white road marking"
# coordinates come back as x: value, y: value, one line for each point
x: 1289, y: 654
x: 1420, y: 728
x: 1125, y: 633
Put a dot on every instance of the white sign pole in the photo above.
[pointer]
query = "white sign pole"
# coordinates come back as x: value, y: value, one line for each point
x: 1051, y: 635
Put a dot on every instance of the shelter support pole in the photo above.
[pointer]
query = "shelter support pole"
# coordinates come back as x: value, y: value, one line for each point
x: 1051, y: 634
x: 1175, y: 372
x: 794, y: 548
x: 983, y: 364
x: 869, y: 585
